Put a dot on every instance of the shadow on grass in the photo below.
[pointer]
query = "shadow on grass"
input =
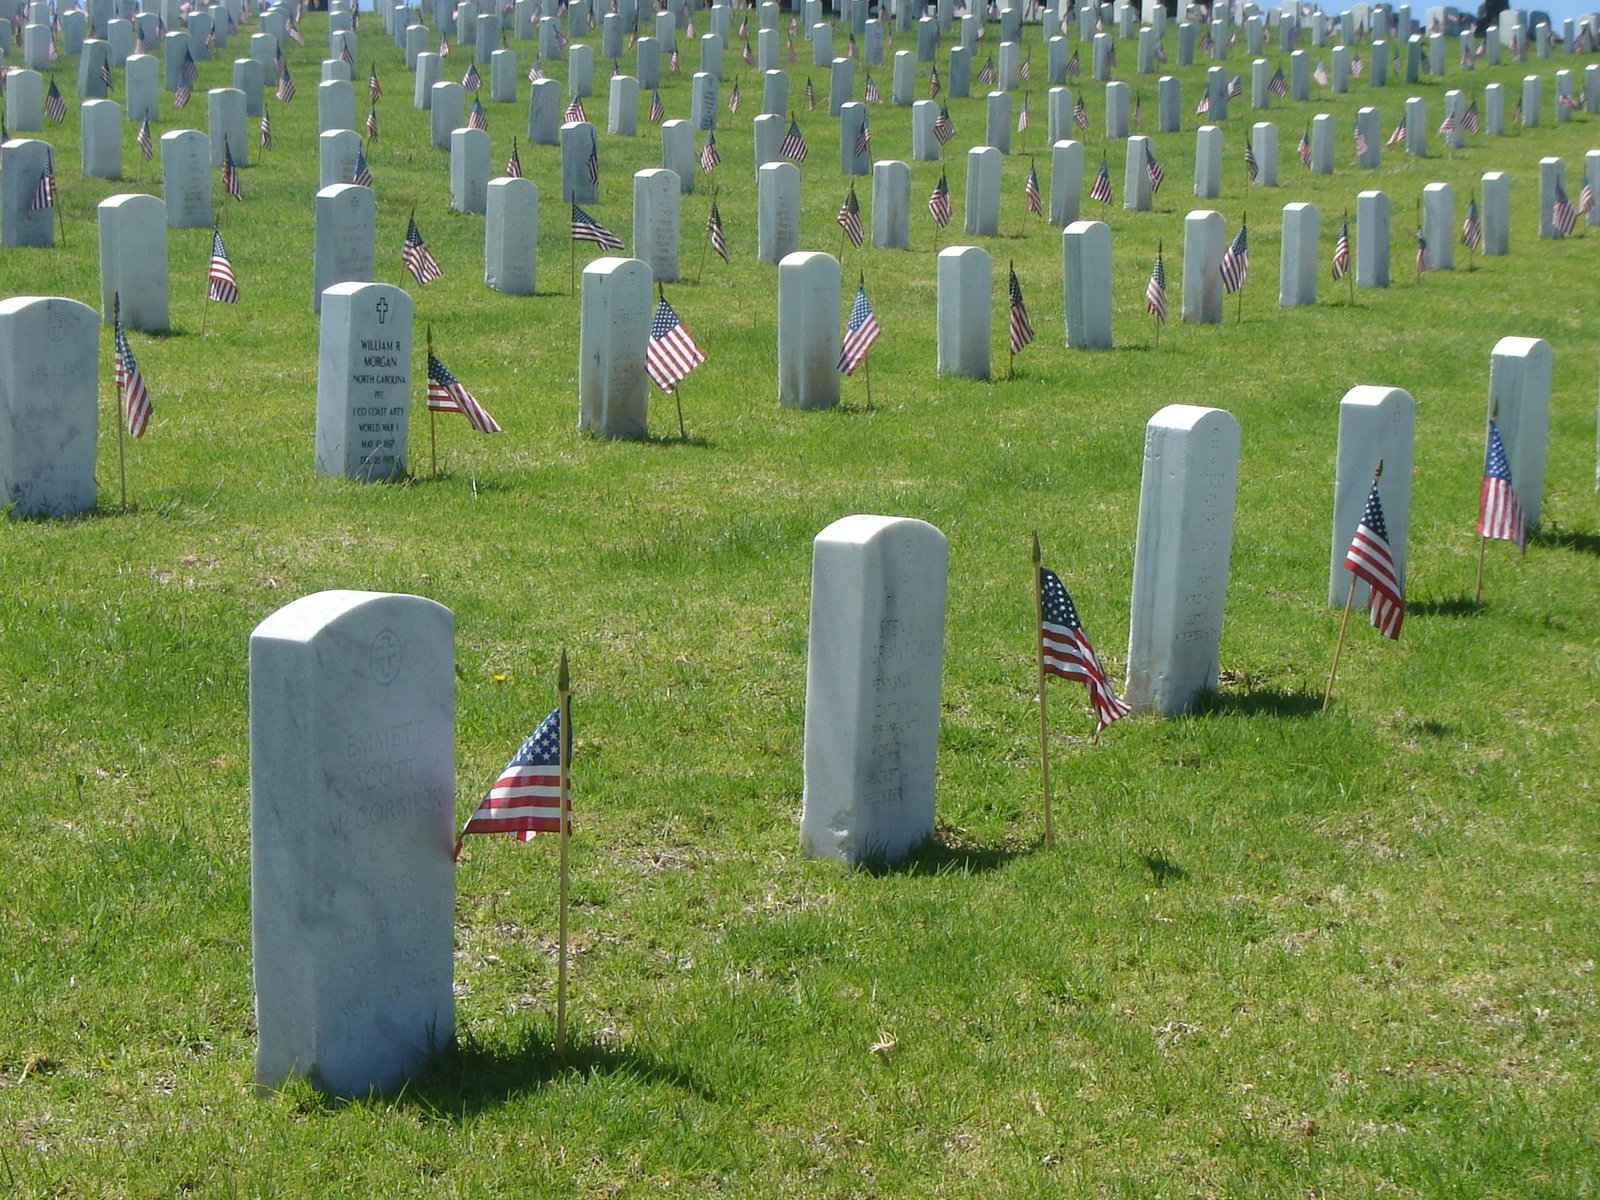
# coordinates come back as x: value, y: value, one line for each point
x: 469, y: 1078
x: 1162, y: 869
x: 670, y: 440
x: 945, y: 853
x: 1566, y: 539
x: 1259, y: 702
x: 1449, y: 606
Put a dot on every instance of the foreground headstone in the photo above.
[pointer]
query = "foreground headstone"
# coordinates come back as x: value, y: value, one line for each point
x: 343, y: 221
x: 1519, y: 401
x: 1376, y: 424
x: 352, y: 788
x: 613, y: 327
x: 363, y: 381
x: 808, y: 329
x: 48, y: 404
x: 963, y: 310
x: 873, y: 668
x: 1180, y: 561
x: 1086, y: 275
x: 1205, y: 234
x: 510, y: 239
x: 133, y: 260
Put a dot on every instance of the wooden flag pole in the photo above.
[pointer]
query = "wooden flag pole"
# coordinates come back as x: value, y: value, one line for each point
x: 572, y: 276
x: 433, y: 418
x: 1483, y: 542
x: 1044, y: 724
x: 706, y: 244
x: 122, y: 462
x: 1351, y: 273
x: 1349, y: 603
x: 1238, y: 313
x: 1421, y: 251
x: 564, y: 701
x: 1155, y: 316
x: 1472, y: 200
x: 205, y: 300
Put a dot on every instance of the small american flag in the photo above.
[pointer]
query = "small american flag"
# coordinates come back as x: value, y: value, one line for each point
x: 374, y: 88
x: 586, y: 229
x: 1370, y: 559
x: 180, y: 95
x: 444, y: 44
x: 136, y: 397
x: 147, y: 145
x: 187, y: 71
x: 849, y: 217
x: 1586, y: 198
x: 1570, y: 103
x: 811, y: 94
x: 1320, y: 74
x: 1021, y: 327
x: 526, y: 798
x: 514, y: 163
x: 372, y: 124
x: 791, y: 49
x: 1204, y: 107
x: 1398, y: 137
x: 793, y: 146
x: 1030, y: 192
x: 1357, y: 67
x: 670, y: 353
x: 1304, y: 148
x: 1101, y: 188
x: 285, y: 87
x: 1207, y: 44
x: 476, y: 117
x: 1022, y: 116
x: 1469, y: 120
x: 1447, y: 126
x: 709, y: 157
x: 535, y: 74
x: 986, y: 75
x: 1341, y: 251
x: 44, y: 192
x: 1278, y: 85
x: 871, y: 95
x: 1074, y: 64
x: 105, y: 73
x: 363, y: 172
x: 1027, y: 68
x: 1080, y: 114
x: 658, y: 110
x: 749, y: 55
x: 55, y: 107
x: 446, y: 394
x: 293, y: 30
x: 1235, y: 87
x: 933, y: 84
x: 592, y: 163
x: 1252, y: 169
x: 1422, y: 252
x: 230, y: 173
x: 220, y: 283
x: 1066, y: 651
x: 1155, y: 292
x: 1516, y: 114
x: 1562, y: 215
x: 1361, y: 144
x: 414, y: 254
x: 719, y: 240
x: 1471, y: 227
x: 860, y: 332
x: 939, y: 202
x: 733, y: 98
x: 1499, y: 511
x: 1236, y: 262
x: 943, y: 127
x: 672, y: 60
x: 863, y: 137
x: 345, y: 56
x: 472, y: 81
x: 575, y: 111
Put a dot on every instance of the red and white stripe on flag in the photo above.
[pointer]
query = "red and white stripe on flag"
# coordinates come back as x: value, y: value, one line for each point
x: 526, y: 798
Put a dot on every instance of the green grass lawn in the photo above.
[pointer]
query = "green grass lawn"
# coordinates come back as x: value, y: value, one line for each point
x: 1274, y: 953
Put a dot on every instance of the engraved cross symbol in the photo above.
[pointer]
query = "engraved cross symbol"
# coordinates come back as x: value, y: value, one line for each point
x: 382, y: 309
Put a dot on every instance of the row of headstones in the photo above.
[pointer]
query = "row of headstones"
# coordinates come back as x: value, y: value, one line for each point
x: 352, y: 721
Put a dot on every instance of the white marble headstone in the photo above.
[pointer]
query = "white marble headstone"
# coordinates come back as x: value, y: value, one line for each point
x: 1375, y: 424
x: 48, y: 405
x: 363, y: 382
x: 133, y: 260
x: 873, y: 669
x: 1519, y: 397
x: 613, y: 327
x: 352, y: 790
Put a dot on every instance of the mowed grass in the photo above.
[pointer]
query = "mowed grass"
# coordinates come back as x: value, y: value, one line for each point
x: 1274, y: 953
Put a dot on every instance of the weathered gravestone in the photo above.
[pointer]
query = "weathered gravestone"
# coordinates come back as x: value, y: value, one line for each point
x: 342, y: 238
x: 873, y: 669
x: 352, y: 788
x: 510, y: 239
x: 337, y: 154
x: 1180, y: 561
x: 469, y: 170
x: 613, y: 327
x: 186, y: 179
x: 1519, y: 401
x: 133, y: 260
x: 655, y: 221
x: 1205, y: 234
x: 100, y: 125
x: 777, y: 212
x: 808, y: 329
x: 363, y: 382
x: 1376, y: 424
x: 48, y: 406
